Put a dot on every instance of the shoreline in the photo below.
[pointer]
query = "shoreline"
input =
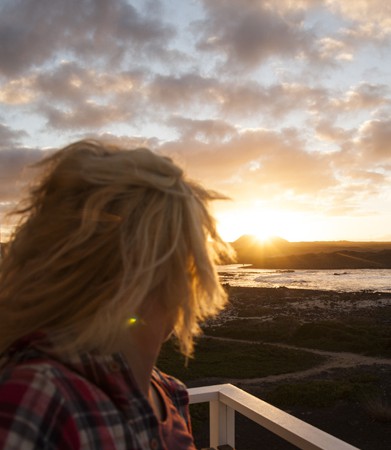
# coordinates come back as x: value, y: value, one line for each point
x: 355, y: 280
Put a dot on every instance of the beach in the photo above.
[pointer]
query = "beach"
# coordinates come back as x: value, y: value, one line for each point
x: 339, y: 379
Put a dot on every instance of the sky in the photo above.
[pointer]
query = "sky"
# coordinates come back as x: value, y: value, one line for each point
x: 283, y: 106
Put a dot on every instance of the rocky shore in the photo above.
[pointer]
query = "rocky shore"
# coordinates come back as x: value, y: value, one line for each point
x: 306, y: 304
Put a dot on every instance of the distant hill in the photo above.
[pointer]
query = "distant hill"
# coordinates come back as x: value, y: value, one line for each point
x: 278, y: 253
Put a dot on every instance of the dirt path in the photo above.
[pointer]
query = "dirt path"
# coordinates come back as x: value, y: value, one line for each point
x: 335, y: 360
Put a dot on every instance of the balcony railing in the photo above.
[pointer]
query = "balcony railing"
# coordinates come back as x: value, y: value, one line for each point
x: 225, y: 399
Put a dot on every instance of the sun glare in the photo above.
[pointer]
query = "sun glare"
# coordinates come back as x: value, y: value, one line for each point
x: 266, y: 223
x: 233, y: 224
x: 263, y: 238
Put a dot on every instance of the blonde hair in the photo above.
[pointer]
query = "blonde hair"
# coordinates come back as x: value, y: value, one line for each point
x: 104, y: 231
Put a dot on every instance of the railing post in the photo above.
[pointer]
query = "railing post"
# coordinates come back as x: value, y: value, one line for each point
x: 222, y: 424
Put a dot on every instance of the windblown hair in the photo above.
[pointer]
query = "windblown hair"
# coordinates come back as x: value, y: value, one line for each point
x: 104, y: 231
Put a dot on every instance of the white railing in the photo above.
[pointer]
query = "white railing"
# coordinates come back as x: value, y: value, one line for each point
x: 225, y: 399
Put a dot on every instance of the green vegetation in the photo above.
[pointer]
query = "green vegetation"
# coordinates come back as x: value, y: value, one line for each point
x: 378, y: 408
x: 356, y: 337
x: 268, y: 318
x: 277, y: 330
x: 362, y: 337
x: 320, y: 393
x: 222, y: 359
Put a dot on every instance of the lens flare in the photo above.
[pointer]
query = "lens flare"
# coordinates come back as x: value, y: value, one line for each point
x: 132, y: 321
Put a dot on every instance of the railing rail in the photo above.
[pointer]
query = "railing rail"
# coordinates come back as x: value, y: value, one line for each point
x: 225, y: 399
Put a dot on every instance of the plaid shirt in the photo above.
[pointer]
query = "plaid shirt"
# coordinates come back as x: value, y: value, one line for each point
x: 87, y: 402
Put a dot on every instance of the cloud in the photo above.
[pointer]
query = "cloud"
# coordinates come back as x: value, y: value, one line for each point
x: 374, y: 142
x: 364, y: 96
x: 259, y: 159
x: 70, y: 96
x: 14, y: 172
x: 69, y: 82
x: 363, y: 154
x: 248, y: 33
x: 327, y: 131
x: 33, y: 33
x: 9, y: 136
x: 231, y: 98
x: 277, y: 100
x: 372, y: 16
x: 276, y: 167
x: 203, y: 130
x: 18, y: 91
x: 180, y: 91
x: 366, y: 18
x: 73, y: 96
x: 331, y: 48
x: 87, y: 115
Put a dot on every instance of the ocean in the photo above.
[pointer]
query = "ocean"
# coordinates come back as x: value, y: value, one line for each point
x: 378, y: 280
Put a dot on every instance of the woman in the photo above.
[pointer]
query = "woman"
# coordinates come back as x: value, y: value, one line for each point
x: 115, y: 251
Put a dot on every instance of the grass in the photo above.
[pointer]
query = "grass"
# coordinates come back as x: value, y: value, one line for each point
x: 362, y: 337
x: 278, y: 330
x: 378, y: 408
x: 319, y: 393
x: 221, y: 359
x: 336, y: 336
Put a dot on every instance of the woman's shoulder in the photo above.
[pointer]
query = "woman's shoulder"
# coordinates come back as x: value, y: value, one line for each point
x: 38, y: 376
x: 31, y: 399
x: 26, y: 365
x: 168, y: 380
x: 174, y: 387
x: 24, y: 361
x: 59, y: 404
x: 34, y: 371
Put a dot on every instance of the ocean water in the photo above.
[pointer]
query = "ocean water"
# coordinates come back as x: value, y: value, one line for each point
x: 335, y: 280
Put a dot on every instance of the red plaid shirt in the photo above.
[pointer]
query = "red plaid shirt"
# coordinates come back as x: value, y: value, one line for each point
x: 87, y: 402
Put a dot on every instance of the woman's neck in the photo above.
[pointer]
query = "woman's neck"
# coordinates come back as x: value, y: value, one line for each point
x: 141, y: 346
x: 141, y: 352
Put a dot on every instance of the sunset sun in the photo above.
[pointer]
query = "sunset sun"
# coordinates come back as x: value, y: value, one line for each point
x: 263, y: 238
x: 267, y: 223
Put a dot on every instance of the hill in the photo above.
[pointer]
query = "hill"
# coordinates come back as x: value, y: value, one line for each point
x: 278, y: 253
